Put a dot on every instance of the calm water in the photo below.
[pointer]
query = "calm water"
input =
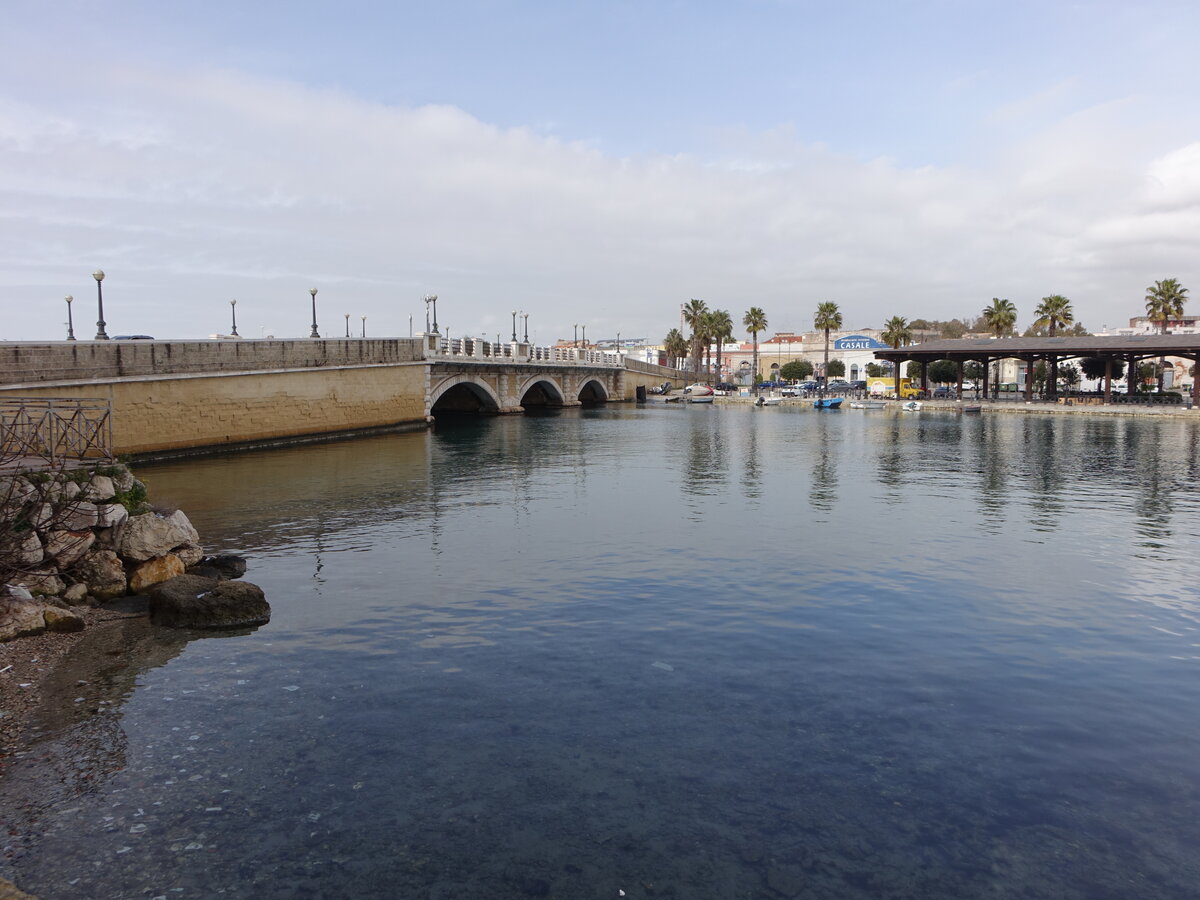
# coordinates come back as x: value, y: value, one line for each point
x: 693, y: 653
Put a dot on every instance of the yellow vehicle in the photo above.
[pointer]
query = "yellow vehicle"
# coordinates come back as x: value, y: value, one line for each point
x: 886, y: 387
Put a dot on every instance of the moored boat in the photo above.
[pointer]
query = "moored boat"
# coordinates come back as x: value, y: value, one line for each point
x: 867, y: 404
x: 911, y: 406
x: 827, y: 403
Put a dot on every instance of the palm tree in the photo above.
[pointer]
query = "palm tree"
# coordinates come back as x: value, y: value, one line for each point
x: 1001, y: 318
x: 827, y: 318
x: 896, y: 331
x: 755, y: 321
x: 1164, y: 301
x: 694, y: 314
x: 722, y: 330
x: 676, y: 346
x: 1052, y: 312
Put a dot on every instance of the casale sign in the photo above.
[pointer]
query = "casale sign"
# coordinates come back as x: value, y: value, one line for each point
x: 858, y: 342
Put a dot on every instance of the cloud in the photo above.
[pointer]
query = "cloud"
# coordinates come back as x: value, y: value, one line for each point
x: 193, y: 187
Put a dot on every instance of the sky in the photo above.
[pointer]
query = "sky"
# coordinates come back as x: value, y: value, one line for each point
x: 590, y: 164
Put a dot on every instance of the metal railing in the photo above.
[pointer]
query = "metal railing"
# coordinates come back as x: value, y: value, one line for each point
x: 37, y: 429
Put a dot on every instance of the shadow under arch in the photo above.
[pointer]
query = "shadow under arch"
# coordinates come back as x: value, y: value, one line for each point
x: 593, y: 392
x: 541, y: 392
x: 464, y: 396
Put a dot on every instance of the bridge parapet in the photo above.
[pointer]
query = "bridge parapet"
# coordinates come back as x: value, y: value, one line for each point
x: 438, y: 347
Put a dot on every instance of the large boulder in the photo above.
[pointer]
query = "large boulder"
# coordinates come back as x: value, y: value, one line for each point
x: 189, y: 554
x: 103, y: 573
x: 109, y: 515
x: 194, y: 601
x: 19, y: 615
x: 123, y: 480
x: 77, y: 515
x: 61, y: 619
x: 43, y: 580
x: 28, y: 552
x: 75, y: 594
x: 68, y: 547
x: 147, y: 536
x: 100, y: 487
x: 223, y: 566
x: 154, y: 571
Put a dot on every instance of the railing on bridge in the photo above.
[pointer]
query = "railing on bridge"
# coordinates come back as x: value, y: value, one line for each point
x: 439, y: 347
x: 38, y: 432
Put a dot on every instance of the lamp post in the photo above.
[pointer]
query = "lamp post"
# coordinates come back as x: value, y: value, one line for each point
x: 525, y: 316
x: 101, y: 334
x: 233, y: 315
x: 315, y: 333
x: 432, y: 298
x: 347, y: 315
x: 364, y: 331
x: 575, y: 342
x: 70, y: 320
x: 618, y: 342
x: 514, y: 315
x: 584, y: 327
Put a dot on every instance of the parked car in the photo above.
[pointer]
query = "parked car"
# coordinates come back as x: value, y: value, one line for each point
x: 726, y: 386
x: 810, y: 385
x: 943, y: 392
x: 838, y: 385
x: 858, y: 385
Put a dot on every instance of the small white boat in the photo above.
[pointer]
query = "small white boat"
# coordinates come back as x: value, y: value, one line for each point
x: 867, y: 404
x: 768, y: 401
x: 911, y: 406
x: 698, y: 390
x: 702, y: 398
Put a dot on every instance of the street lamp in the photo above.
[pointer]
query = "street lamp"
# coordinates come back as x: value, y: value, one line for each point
x: 233, y: 314
x: 525, y: 316
x: 584, y: 327
x: 101, y: 334
x: 70, y: 321
x: 347, y: 315
x: 364, y: 332
x: 514, y: 315
x: 315, y: 333
x: 431, y: 298
x: 575, y: 343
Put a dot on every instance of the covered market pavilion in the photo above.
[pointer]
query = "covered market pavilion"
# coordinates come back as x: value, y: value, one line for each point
x: 1131, y: 349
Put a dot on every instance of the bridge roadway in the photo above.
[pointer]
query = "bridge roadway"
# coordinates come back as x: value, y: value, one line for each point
x: 185, y: 396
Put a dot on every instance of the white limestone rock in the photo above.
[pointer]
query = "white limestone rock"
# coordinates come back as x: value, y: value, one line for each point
x: 151, y: 535
x: 66, y: 547
x: 110, y: 515
x: 103, y: 573
x: 99, y: 487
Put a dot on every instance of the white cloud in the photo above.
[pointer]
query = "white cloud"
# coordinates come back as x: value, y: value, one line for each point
x: 192, y: 188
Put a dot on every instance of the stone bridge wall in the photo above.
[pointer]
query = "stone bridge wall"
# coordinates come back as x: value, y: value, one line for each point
x: 30, y: 363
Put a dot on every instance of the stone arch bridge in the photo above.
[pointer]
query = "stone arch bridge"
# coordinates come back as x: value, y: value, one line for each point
x: 182, y: 396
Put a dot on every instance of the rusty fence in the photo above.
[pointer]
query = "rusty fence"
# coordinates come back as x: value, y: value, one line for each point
x: 39, y: 432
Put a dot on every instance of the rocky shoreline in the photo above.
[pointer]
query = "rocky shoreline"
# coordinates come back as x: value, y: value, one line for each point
x: 81, y: 547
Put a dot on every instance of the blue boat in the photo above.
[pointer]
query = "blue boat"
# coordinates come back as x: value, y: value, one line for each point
x: 827, y: 402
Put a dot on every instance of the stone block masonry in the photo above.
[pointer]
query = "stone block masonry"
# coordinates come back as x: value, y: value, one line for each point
x: 32, y: 363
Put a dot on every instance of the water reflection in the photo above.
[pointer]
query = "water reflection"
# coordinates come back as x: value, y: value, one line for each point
x: 573, y: 655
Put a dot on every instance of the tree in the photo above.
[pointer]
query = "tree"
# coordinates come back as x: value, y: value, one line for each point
x: 1052, y: 312
x: 676, y: 346
x: 877, y: 370
x: 722, y: 329
x: 695, y: 314
x: 755, y: 321
x: 973, y: 371
x: 835, y: 368
x: 1070, y: 375
x: 943, y: 371
x: 827, y: 317
x: 897, y: 331
x: 796, y: 370
x: 954, y: 329
x: 1093, y: 367
x: 1164, y: 301
x: 1001, y: 317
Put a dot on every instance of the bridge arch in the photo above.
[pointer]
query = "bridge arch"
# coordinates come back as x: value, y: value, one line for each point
x: 592, y: 391
x: 464, y: 395
x: 541, y: 391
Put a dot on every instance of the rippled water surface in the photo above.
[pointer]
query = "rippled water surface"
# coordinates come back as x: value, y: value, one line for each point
x: 702, y: 652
